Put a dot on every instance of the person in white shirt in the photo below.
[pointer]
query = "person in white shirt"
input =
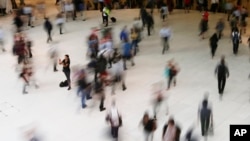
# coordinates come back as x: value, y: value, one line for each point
x: 165, y: 34
x: 164, y: 11
x: 114, y: 118
x: 2, y: 39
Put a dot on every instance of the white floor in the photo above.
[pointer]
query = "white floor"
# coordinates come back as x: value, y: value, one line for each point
x: 56, y: 112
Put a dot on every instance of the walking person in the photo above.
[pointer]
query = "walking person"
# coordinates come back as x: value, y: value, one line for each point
x: 220, y: 27
x: 134, y: 40
x: 149, y: 125
x: 222, y: 73
x: 127, y: 53
x: 236, y: 40
x: 18, y: 22
x: 2, y: 36
x: 66, y: 69
x: 204, y: 24
x: 99, y: 88
x: 164, y: 11
x: 60, y: 22
x: 187, y: 5
x: 53, y: 54
x: 143, y: 16
x: 48, y: 28
x: 214, y: 43
x: 169, y: 131
x: 150, y: 23
x: 205, y: 115
x: 165, y: 34
x: 172, y: 72
x: 114, y: 118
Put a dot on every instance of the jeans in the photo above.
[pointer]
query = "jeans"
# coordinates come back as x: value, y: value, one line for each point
x: 134, y: 45
x: 67, y: 74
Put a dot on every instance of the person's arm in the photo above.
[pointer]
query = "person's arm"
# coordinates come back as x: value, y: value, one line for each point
x: 227, y: 71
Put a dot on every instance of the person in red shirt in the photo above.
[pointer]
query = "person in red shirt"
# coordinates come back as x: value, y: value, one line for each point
x: 205, y: 15
x: 187, y: 5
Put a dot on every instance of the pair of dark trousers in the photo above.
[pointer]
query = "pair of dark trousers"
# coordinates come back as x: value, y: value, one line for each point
x: 214, y: 7
x: 235, y: 48
x: 165, y: 44
x: 213, y: 49
x: 221, y: 84
x: 204, y: 126
x: 102, y: 102
x: 101, y: 6
x: 49, y: 35
x: 105, y: 20
x: 114, y: 131
x: 67, y: 74
x: 170, y: 79
x: 60, y: 27
x: 149, y: 27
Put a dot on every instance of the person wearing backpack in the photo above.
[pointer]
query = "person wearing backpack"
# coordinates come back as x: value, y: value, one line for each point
x: 236, y: 39
x: 149, y: 125
x: 169, y: 131
x: 222, y: 73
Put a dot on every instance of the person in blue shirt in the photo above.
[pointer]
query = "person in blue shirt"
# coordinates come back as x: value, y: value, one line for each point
x: 124, y: 35
x: 127, y: 53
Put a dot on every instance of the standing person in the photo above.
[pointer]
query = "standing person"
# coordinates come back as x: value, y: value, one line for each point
x: 220, y: 27
x: 222, y: 73
x: 143, y: 16
x: 150, y: 23
x: 165, y: 34
x: 115, y: 120
x: 105, y: 16
x: 48, y: 28
x: 169, y: 131
x: 2, y: 39
x: 187, y: 5
x: 205, y: 116
x: 213, y: 43
x: 60, y: 21
x: 164, y: 11
x: 149, y: 125
x: 134, y: 40
x: 66, y: 69
x: 18, y: 21
x: 127, y: 53
x: 236, y: 39
x: 229, y: 8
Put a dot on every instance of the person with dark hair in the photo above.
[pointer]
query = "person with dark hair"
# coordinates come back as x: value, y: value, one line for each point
x: 150, y: 23
x: 213, y: 43
x: 205, y: 116
x: 66, y: 69
x: 149, y: 125
x: 48, y: 28
x: 169, y: 131
x: 222, y: 73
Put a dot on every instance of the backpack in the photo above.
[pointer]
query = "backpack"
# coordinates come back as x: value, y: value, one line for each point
x: 63, y: 83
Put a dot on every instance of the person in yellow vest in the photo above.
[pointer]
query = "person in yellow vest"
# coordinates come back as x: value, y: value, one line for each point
x: 105, y: 16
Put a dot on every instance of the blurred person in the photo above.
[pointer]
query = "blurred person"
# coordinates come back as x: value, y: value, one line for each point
x: 236, y: 40
x: 214, y: 5
x: 41, y: 7
x: 170, y: 4
x: 28, y: 10
x: 27, y: 75
x: 189, y: 136
x: 243, y: 22
x: 79, y: 7
x: 165, y: 34
x: 101, y: 3
x: 18, y: 22
x: 149, y: 125
x: 150, y: 23
x: 2, y: 36
x: 171, y: 72
x: 69, y: 9
x: 205, y: 115
x: 66, y: 69
x: 99, y: 89
x: 164, y: 11
x: 233, y: 23
x: 204, y: 23
x: 222, y: 73
x: 214, y: 43
x: 143, y: 16
x: 169, y: 131
x: 114, y: 118
x: 187, y: 4
x: 124, y: 34
x: 118, y: 73
x: 134, y: 40
x: 127, y: 53
x: 57, y: 1
x: 84, y: 88
x: 60, y: 22
x: 93, y: 43
x: 20, y: 49
x: 220, y: 27
x: 229, y: 8
x: 48, y: 28
x: 53, y: 54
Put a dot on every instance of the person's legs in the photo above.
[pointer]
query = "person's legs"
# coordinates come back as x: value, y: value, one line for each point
x: 236, y: 48
x: 83, y: 98
x: 148, y: 27
x: 55, y: 65
x: 223, y: 83
x: 170, y: 80
x: 203, y: 130
x: 24, y: 88
x: 67, y: 74
x: 124, y: 63
x: 219, y: 84
x: 102, y: 102
x: 123, y: 81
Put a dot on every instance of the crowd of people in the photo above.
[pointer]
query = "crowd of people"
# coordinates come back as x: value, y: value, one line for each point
x: 108, y: 61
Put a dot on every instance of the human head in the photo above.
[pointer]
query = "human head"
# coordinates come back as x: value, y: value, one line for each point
x: 222, y: 59
x: 171, y: 121
x: 67, y: 56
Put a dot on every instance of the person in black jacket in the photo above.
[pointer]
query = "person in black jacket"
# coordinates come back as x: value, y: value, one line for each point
x: 213, y: 44
x: 48, y: 27
x: 143, y: 16
x: 206, y: 117
x: 222, y: 73
x: 150, y: 23
x: 236, y: 39
x: 18, y: 21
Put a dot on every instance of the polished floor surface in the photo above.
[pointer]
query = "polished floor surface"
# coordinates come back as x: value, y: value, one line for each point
x: 57, y: 114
